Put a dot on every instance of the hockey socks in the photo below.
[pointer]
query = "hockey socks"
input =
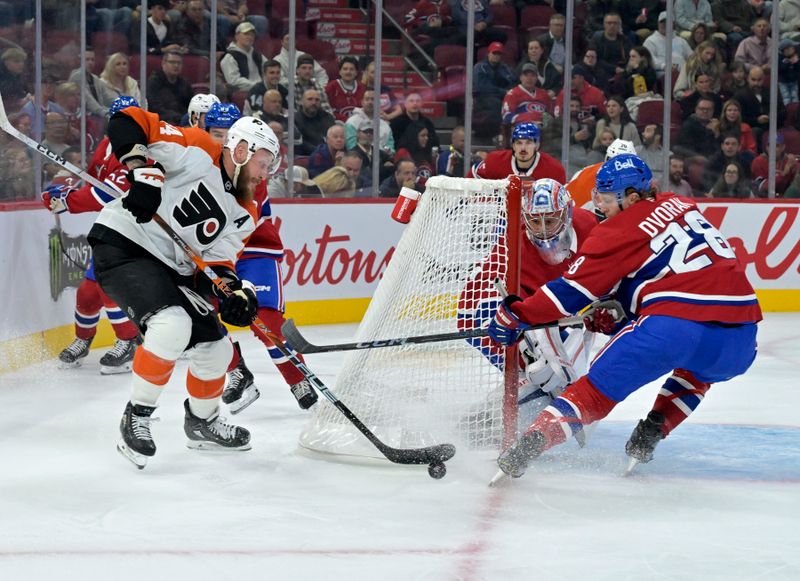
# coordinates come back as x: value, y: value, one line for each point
x: 273, y: 320
x: 89, y: 301
x: 680, y: 395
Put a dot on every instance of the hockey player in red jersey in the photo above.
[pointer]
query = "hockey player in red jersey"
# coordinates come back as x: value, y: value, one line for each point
x: 523, y: 159
x: 64, y: 195
x: 205, y: 192
x: 553, y: 233
x: 692, y: 313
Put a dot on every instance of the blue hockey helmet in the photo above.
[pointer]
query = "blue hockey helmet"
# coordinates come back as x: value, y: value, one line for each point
x: 622, y: 173
x: 526, y: 131
x: 222, y: 115
x: 121, y: 103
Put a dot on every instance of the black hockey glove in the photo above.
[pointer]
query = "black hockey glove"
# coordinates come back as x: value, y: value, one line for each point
x: 240, y: 308
x: 144, y: 197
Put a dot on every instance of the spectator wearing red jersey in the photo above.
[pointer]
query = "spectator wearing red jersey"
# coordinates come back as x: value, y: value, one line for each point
x: 593, y: 101
x: 527, y: 101
x: 346, y: 92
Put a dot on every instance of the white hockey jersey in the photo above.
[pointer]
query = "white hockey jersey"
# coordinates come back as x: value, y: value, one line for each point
x: 194, y: 200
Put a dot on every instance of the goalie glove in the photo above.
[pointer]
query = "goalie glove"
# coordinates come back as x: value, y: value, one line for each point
x: 54, y: 198
x: 506, y: 328
x: 144, y: 196
x: 241, y: 306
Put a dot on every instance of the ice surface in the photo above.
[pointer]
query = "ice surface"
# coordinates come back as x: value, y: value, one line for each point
x: 720, y: 501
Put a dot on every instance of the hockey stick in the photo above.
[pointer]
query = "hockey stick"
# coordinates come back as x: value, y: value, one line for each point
x: 435, y: 456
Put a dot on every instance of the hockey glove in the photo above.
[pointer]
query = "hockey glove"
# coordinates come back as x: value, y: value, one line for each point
x: 144, y: 196
x: 506, y: 328
x: 601, y: 320
x: 240, y: 308
x: 55, y: 198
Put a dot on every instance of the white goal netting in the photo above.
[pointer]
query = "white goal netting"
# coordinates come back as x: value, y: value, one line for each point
x: 436, y: 282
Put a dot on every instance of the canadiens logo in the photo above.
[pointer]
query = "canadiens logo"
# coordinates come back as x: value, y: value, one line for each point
x: 325, y: 29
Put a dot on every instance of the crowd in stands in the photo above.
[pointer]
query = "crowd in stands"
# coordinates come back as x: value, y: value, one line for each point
x: 719, y: 78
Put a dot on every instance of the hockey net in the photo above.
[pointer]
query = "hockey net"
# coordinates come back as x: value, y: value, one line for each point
x: 463, y: 234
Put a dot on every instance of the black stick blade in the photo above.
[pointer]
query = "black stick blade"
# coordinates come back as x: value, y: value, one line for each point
x: 429, y: 455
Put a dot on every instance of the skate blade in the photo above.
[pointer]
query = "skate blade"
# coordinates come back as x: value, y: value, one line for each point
x: 66, y: 365
x: 631, y: 465
x: 213, y: 447
x: 500, y: 479
x: 249, y: 396
x: 138, y: 460
x: 124, y: 368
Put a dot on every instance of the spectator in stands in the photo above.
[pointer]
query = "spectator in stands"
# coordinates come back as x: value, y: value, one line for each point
x: 733, y: 18
x: 727, y: 152
x: 596, y: 12
x: 675, y: 181
x: 730, y: 121
x: 594, y: 74
x: 160, y: 30
x: 335, y: 183
x: 581, y: 136
x: 789, y: 19
x: 415, y: 144
x: 731, y: 184
x: 108, y: 15
x: 412, y: 113
x: 365, y: 113
x: 49, y: 82
x: 67, y: 101
x: 698, y: 35
x: 451, y: 159
x: 168, y: 93
x: 270, y: 81
x: 56, y: 130
x: 755, y: 101
x: 553, y: 44
x: 593, y: 102
x: 788, y: 71
x: 639, y: 17
x: 699, y: 132
x: 484, y: 33
x: 735, y: 81
x: 13, y: 86
x: 549, y: 77
x: 390, y: 107
x: 430, y: 23
x: 117, y: 78
x: 702, y: 88
x: 604, y: 138
x: 707, y: 59
x: 405, y: 176
x: 690, y: 13
x: 755, y: 50
x: 618, y: 120
x: 233, y: 13
x: 328, y: 153
x: 639, y: 76
x: 304, y: 80
x: 302, y: 186
x: 318, y: 72
x: 272, y: 109
x: 651, y: 150
x: 16, y: 176
x: 345, y: 93
x: 312, y: 122
x: 353, y: 164
x: 526, y: 101
x: 23, y: 123
x: 611, y: 45
x: 363, y: 148
x: 193, y: 30
x: 242, y: 64
x: 785, y: 169
x: 97, y: 92
x: 656, y: 43
x: 492, y: 78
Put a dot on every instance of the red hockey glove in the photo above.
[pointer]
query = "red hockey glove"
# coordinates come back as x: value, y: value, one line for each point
x: 54, y: 198
x: 601, y: 320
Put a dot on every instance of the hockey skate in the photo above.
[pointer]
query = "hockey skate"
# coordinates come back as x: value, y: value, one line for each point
x: 514, y: 461
x: 213, y: 433
x: 71, y: 356
x: 304, y: 393
x: 119, y: 359
x: 241, y: 391
x: 644, y: 439
x: 137, y: 443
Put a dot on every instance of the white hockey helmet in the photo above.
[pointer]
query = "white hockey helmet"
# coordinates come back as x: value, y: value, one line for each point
x: 619, y: 146
x: 547, y: 213
x: 200, y: 104
x: 257, y: 135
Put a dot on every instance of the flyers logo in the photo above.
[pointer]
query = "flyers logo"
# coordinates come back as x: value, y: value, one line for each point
x: 202, y: 209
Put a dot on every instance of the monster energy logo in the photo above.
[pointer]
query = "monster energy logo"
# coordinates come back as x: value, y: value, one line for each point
x: 67, y: 263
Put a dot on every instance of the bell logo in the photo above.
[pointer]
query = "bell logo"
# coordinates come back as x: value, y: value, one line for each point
x: 624, y: 164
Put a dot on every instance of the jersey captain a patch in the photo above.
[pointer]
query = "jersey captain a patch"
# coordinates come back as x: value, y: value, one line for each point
x: 202, y: 210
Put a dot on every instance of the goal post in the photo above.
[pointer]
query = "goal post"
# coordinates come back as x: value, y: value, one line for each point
x: 464, y: 234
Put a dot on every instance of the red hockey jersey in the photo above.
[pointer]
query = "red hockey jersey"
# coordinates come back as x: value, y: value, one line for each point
x: 520, y: 105
x: 498, y: 165
x: 659, y: 257
x: 342, y: 100
x: 265, y: 242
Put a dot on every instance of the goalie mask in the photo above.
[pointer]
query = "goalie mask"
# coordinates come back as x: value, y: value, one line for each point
x: 547, y: 213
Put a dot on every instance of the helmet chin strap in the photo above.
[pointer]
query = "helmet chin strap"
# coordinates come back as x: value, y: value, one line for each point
x: 237, y: 167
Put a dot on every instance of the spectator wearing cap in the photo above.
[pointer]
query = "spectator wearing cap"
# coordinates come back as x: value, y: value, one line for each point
x: 611, y: 45
x: 271, y: 80
x: 283, y: 58
x: 312, y: 122
x: 364, y: 114
x: 754, y: 50
x: 550, y: 79
x: 639, y: 17
x: 788, y: 71
x: 484, y: 33
x: 492, y: 79
x: 345, y: 93
x: 552, y: 41
x: 656, y: 43
x: 593, y: 101
x: 526, y: 101
x: 168, y: 93
x: 13, y: 86
x: 328, y: 153
x: 241, y: 66
x: 789, y: 19
x: 304, y: 79
x: 785, y: 169
x: 301, y: 184
x: 411, y: 114
x: 160, y: 30
x: 363, y: 148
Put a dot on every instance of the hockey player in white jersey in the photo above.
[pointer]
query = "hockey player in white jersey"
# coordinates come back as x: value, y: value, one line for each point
x: 205, y: 192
